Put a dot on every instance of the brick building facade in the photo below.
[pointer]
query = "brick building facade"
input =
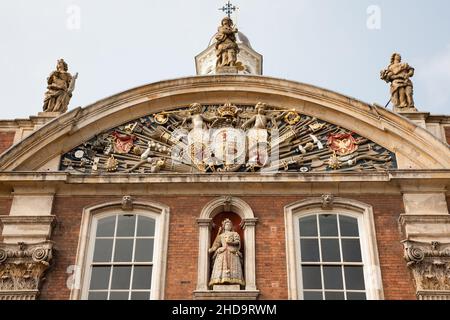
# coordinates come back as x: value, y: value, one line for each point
x: 98, y: 202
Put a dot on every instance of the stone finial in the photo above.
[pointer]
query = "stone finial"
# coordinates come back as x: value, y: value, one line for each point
x: 22, y: 269
x: 60, y: 86
x: 399, y: 75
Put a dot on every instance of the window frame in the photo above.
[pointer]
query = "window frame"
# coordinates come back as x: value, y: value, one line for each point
x: 158, y: 212
x: 369, y: 251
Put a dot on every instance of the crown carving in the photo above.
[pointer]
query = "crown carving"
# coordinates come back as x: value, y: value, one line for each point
x: 228, y: 110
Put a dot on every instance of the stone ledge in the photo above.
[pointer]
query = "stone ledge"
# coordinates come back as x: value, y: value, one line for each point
x: 226, y: 295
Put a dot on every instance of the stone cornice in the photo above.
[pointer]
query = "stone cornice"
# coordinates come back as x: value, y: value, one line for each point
x: 65, y: 177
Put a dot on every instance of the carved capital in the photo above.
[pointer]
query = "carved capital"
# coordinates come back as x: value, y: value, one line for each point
x: 249, y: 222
x: 22, y: 269
x: 430, y: 265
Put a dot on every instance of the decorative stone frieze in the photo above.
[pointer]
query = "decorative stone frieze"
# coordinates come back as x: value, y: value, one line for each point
x: 22, y: 269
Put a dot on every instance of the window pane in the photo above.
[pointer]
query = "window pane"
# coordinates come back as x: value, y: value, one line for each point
x: 140, y: 296
x: 121, y: 295
x: 328, y: 225
x: 121, y: 277
x: 144, y: 250
x: 312, y: 295
x: 330, y: 250
x: 146, y: 227
x: 334, y: 296
x: 103, y: 250
x: 332, y: 277
x: 349, y: 226
x: 310, y: 250
x: 311, y: 277
x: 356, y: 296
x: 354, y: 278
x: 142, y: 277
x: 100, y: 278
x: 308, y: 226
x: 351, y: 250
x: 98, y: 296
x: 125, y: 226
x: 124, y: 250
x: 105, y: 227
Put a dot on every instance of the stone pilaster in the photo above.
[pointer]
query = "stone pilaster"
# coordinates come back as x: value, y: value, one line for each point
x: 426, y: 230
x: 22, y: 269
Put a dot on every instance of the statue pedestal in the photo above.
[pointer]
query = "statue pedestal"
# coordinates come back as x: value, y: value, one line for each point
x: 222, y: 287
x: 227, y: 70
x: 49, y: 114
x: 405, y: 110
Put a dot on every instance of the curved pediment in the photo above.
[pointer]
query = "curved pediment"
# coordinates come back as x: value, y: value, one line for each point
x: 400, y: 142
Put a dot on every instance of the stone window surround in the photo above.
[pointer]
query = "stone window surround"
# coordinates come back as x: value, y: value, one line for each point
x: 369, y: 249
x: 238, y: 206
x: 157, y: 211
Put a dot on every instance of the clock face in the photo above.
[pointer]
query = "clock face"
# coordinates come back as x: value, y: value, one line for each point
x: 228, y: 145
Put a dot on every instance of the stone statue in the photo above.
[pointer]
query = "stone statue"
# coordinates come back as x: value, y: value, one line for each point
x: 226, y: 46
x: 399, y: 74
x: 59, y: 90
x: 227, y: 265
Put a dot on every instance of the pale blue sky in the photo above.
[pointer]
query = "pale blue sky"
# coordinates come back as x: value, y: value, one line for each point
x: 124, y: 44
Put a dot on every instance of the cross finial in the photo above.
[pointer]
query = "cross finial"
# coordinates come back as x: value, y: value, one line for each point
x: 228, y: 8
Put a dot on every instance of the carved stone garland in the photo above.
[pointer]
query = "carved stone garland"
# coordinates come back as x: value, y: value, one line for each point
x: 430, y: 265
x: 205, y: 139
x: 22, y: 268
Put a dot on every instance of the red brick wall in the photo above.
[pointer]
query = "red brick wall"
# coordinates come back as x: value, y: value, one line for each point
x: 6, y: 140
x: 270, y: 244
x: 447, y: 134
x: 5, y: 206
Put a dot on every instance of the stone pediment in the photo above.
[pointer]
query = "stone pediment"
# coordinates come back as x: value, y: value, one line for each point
x: 412, y: 146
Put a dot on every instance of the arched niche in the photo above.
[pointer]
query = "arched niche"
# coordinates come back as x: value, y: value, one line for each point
x: 205, y: 223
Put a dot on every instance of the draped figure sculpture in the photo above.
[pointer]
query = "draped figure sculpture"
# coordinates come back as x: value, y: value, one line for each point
x: 399, y: 75
x: 59, y: 90
x: 227, y: 258
x: 226, y: 47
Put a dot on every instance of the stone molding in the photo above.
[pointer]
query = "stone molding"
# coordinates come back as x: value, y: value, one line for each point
x: 28, y: 229
x: 430, y: 266
x: 226, y: 295
x: 415, y: 147
x: 22, y: 269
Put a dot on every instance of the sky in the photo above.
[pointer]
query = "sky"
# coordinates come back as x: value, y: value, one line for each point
x: 116, y: 45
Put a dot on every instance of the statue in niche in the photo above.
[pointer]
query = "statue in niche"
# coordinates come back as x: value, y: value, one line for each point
x: 60, y: 88
x: 399, y: 75
x: 226, y: 47
x: 227, y: 258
